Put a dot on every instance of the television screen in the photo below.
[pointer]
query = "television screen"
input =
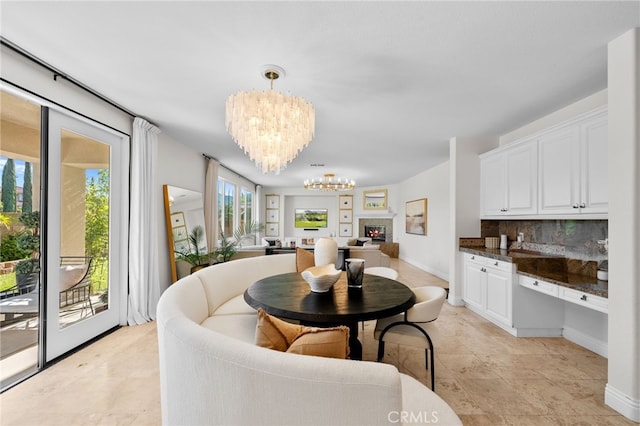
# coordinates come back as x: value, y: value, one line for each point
x: 311, y: 218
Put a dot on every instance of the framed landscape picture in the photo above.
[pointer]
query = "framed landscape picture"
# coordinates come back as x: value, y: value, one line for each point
x: 416, y: 217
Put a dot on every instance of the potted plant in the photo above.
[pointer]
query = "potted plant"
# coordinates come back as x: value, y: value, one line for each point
x: 227, y: 248
x: 28, y: 270
x: 197, y: 256
x: 246, y: 230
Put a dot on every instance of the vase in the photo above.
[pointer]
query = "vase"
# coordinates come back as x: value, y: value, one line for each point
x: 325, y: 252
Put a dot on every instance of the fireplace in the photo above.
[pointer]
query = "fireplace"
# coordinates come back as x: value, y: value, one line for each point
x: 375, y: 232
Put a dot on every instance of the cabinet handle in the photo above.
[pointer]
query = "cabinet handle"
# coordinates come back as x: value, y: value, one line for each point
x: 473, y: 257
x: 575, y: 206
x: 495, y: 264
x: 583, y: 205
x: 535, y: 283
x: 584, y: 297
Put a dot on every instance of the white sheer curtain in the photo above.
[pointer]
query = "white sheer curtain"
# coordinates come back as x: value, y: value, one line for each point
x: 258, y: 212
x: 144, y: 277
x: 211, y: 203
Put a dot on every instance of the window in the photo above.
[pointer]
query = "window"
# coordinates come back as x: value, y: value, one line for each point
x: 236, y: 196
x: 246, y: 207
x: 226, y: 201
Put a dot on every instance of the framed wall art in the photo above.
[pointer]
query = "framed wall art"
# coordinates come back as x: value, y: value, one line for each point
x: 375, y: 200
x: 273, y: 201
x: 346, y: 201
x: 273, y: 215
x: 272, y: 230
x: 346, y: 216
x: 346, y: 229
x: 416, y: 217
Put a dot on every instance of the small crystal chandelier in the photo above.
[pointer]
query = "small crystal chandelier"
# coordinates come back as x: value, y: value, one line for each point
x: 330, y: 183
x: 271, y: 128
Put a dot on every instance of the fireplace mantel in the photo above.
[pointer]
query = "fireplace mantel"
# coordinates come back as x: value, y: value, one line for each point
x: 381, y: 215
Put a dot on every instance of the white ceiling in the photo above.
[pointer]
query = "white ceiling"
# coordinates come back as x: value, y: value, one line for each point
x: 391, y: 82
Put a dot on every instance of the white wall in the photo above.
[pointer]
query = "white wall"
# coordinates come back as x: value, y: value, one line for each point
x: 427, y: 252
x: 623, y: 385
x: 569, y: 112
x: 181, y: 166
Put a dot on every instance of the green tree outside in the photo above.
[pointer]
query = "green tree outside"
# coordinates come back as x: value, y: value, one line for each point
x: 27, y: 190
x: 97, y: 216
x: 9, y: 187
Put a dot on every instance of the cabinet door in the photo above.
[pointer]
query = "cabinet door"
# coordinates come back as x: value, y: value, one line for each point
x: 559, y: 160
x: 522, y: 172
x: 499, y: 295
x: 594, y: 172
x: 474, y: 283
x: 493, y: 185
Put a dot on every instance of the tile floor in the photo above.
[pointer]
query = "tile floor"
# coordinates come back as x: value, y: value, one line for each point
x: 485, y: 374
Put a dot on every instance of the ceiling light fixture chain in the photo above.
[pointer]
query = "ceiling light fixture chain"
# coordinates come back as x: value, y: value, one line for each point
x: 271, y: 128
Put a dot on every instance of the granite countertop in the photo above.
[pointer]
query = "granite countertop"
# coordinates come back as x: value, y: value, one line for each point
x: 554, y: 269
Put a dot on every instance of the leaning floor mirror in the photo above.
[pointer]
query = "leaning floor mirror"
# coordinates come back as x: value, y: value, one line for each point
x: 184, y: 212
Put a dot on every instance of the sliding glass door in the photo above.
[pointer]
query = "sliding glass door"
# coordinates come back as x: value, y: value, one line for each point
x: 63, y: 230
x: 20, y: 289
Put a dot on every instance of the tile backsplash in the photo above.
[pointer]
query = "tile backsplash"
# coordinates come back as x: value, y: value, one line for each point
x: 574, y: 239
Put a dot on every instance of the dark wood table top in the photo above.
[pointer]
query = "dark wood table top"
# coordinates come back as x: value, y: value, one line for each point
x: 289, y: 296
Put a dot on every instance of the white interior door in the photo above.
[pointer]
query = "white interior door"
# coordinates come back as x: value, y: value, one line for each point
x: 86, y: 222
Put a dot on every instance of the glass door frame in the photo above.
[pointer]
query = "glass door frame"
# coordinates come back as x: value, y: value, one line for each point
x: 118, y: 249
x: 61, y: 340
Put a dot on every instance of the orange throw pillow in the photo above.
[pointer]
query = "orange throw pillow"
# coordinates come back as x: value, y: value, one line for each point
x: 273, y: 333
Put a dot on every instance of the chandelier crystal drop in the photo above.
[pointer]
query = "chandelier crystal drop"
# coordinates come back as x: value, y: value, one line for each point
x: 329, y: 183
x: 271, y: 128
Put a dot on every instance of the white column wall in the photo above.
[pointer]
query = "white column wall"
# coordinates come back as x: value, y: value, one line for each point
x: 426, y: 252
x: 464, y: 198
x: 623, y: 388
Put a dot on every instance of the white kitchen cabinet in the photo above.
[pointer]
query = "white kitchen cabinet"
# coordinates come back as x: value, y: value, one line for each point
x: 590, y: 301
x: 473, y: 283
x: 573, y: 168
x: 509, y: 180
x: 487, y: 288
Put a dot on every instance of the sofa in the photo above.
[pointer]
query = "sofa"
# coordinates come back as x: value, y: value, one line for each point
x: 212, y: 372
x: 362, y: 248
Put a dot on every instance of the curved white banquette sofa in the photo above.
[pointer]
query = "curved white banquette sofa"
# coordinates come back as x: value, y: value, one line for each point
x: 211, y: 372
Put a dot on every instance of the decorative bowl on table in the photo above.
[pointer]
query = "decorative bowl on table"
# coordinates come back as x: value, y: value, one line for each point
x: 321, y: 278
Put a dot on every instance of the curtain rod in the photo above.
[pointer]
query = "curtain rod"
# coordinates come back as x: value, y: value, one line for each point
x: 208, y: 157
x: 57, y: 73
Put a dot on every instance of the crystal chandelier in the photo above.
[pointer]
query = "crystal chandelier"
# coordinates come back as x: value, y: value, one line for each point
x: 330, y: 183
x: 271, y: 128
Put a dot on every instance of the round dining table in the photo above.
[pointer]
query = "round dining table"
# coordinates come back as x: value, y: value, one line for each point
x: 288, y: 296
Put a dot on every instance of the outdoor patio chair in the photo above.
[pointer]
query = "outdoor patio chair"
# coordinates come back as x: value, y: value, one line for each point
x: 75, y: 283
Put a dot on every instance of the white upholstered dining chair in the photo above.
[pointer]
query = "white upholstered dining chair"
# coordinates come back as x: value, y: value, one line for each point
x: 408, y: 328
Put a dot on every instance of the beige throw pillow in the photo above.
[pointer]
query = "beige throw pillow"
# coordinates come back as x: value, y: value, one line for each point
x: 304, y: 259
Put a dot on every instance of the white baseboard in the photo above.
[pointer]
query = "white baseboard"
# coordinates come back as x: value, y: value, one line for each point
x: 437, y: 273
x: 586, y: 341
x: 622, y: 403
x: 456, y: 301
x: 538, y: 332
